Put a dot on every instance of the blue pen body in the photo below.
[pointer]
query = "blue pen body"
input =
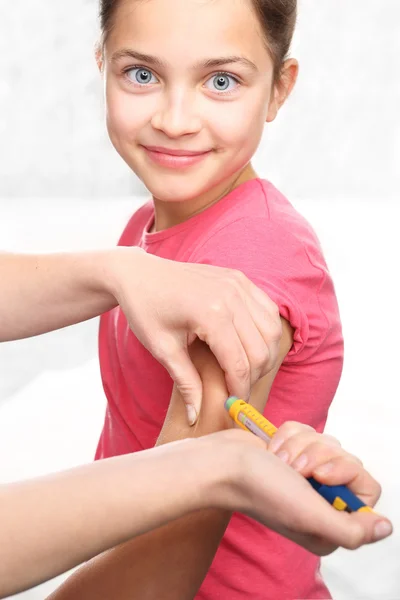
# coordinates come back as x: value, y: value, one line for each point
x: 336, y: 493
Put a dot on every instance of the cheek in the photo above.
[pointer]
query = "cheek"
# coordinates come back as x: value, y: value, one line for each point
x: 241, y: 124
x: 126, y: 114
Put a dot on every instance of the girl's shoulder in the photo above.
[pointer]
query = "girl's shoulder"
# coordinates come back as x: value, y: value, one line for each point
x: 257, y: 219
x: 268, y: 240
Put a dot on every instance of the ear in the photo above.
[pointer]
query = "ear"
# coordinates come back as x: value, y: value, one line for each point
x: 283, y: 88
x: 98, y: 53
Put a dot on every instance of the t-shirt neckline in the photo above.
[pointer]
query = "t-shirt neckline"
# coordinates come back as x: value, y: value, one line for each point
x: 211, y: 212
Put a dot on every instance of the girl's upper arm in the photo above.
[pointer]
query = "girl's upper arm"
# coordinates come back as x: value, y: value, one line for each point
x: 141, y: 568
x: 213, y: 416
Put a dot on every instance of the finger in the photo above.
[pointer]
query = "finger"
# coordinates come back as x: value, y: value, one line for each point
x: 308, y: 449
x: 355, y: 535
x: 353, y: 530
x: 187, y: 379
x: 265, y: 315
x: 318, y: 454
x: 330, y: 464
x: 321, y: 528
x: 228, y: 349
x: 247, y: 316
x: 346, y: 470
x: 269, y: 325
x: 302, y: 515
x: 270, y: 331
x: 254, y: 356
x: 257, y: 348
x: 285, y: 432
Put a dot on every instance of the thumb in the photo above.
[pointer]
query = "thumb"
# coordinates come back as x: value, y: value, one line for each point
x: 187, y: 380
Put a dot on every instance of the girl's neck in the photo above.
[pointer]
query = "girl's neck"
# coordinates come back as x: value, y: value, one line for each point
x: 168, y: 214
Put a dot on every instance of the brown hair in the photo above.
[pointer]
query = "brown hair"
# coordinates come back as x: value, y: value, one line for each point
x: 277, y: 18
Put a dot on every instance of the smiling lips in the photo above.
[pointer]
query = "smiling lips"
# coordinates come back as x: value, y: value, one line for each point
x: 175, y: 159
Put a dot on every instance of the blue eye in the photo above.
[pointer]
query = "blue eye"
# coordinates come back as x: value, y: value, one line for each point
x: 141, y: 76
x: 222, y: 82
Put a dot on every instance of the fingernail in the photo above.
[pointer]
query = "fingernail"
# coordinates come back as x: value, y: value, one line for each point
x: 300, y: 462
x: 324, y: 469
x: 283, y: 455
x: 191, y: 413
x: 382, y: 530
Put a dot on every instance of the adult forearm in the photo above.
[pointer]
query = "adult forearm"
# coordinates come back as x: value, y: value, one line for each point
x: 170, y: 562
x: 39, y: 293
x: 67, y: 518
x: 149, y: 567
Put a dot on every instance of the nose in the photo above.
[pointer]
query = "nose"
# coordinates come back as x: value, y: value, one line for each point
x: 176, y: 116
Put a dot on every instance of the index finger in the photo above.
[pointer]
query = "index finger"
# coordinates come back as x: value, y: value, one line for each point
x: 232, y: 358
x: 347, y: 470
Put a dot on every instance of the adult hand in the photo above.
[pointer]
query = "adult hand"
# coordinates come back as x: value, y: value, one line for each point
x: 168, y: 304
x: 274, y: 493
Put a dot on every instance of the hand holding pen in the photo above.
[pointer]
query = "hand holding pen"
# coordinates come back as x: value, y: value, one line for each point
x: 310, y: 454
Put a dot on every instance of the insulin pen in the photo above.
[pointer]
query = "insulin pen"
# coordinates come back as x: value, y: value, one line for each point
x: 250, y: 419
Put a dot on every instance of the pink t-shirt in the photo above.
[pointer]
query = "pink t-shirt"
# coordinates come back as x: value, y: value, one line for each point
x: 256, y: 230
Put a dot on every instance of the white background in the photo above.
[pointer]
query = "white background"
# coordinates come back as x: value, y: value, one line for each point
x: 333, y: 151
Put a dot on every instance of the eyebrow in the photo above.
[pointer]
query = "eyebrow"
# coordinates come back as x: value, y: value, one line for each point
x: 207, y: 64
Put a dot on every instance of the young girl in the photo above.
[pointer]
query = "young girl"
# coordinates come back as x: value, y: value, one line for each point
x: 189, y: 85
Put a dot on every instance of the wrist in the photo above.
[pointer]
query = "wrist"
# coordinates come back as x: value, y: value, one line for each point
x: 220, y: 473
x: 232, y: 471
x: 113, y: 267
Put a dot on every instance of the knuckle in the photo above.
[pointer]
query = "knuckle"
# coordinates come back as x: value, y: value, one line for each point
x: 278, y: 328
x: 226, y: 302
x: 331, y: 440
x: 356, y: 538
x: 273, y: 359
x: 239, y: 277
x: 261, y: 359
x: 264, y: 369
x: 165, y: 349
x: 242, y: 369
x: 217, y: 309
x: 354, y: 458
x: 291, y: 428
x: 234, y: 292
x: 273, y: 313
x: 377, y: 491
x: 320, y: 453
x: 236, y: 282
x: 276, y: 314
x: 186, y: 389
x: 273, y: 335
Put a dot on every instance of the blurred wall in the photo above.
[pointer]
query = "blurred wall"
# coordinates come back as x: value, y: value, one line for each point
x: 339, y: 134
x: 53, y: 140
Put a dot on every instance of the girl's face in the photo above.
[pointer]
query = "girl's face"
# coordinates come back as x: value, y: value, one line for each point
x: 189, y: 86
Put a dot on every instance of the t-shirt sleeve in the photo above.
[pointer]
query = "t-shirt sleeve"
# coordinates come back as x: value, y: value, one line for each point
x: 278, y: 262
x: 132, y: 233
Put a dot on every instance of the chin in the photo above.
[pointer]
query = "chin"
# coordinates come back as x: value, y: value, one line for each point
x: 175, y: 188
